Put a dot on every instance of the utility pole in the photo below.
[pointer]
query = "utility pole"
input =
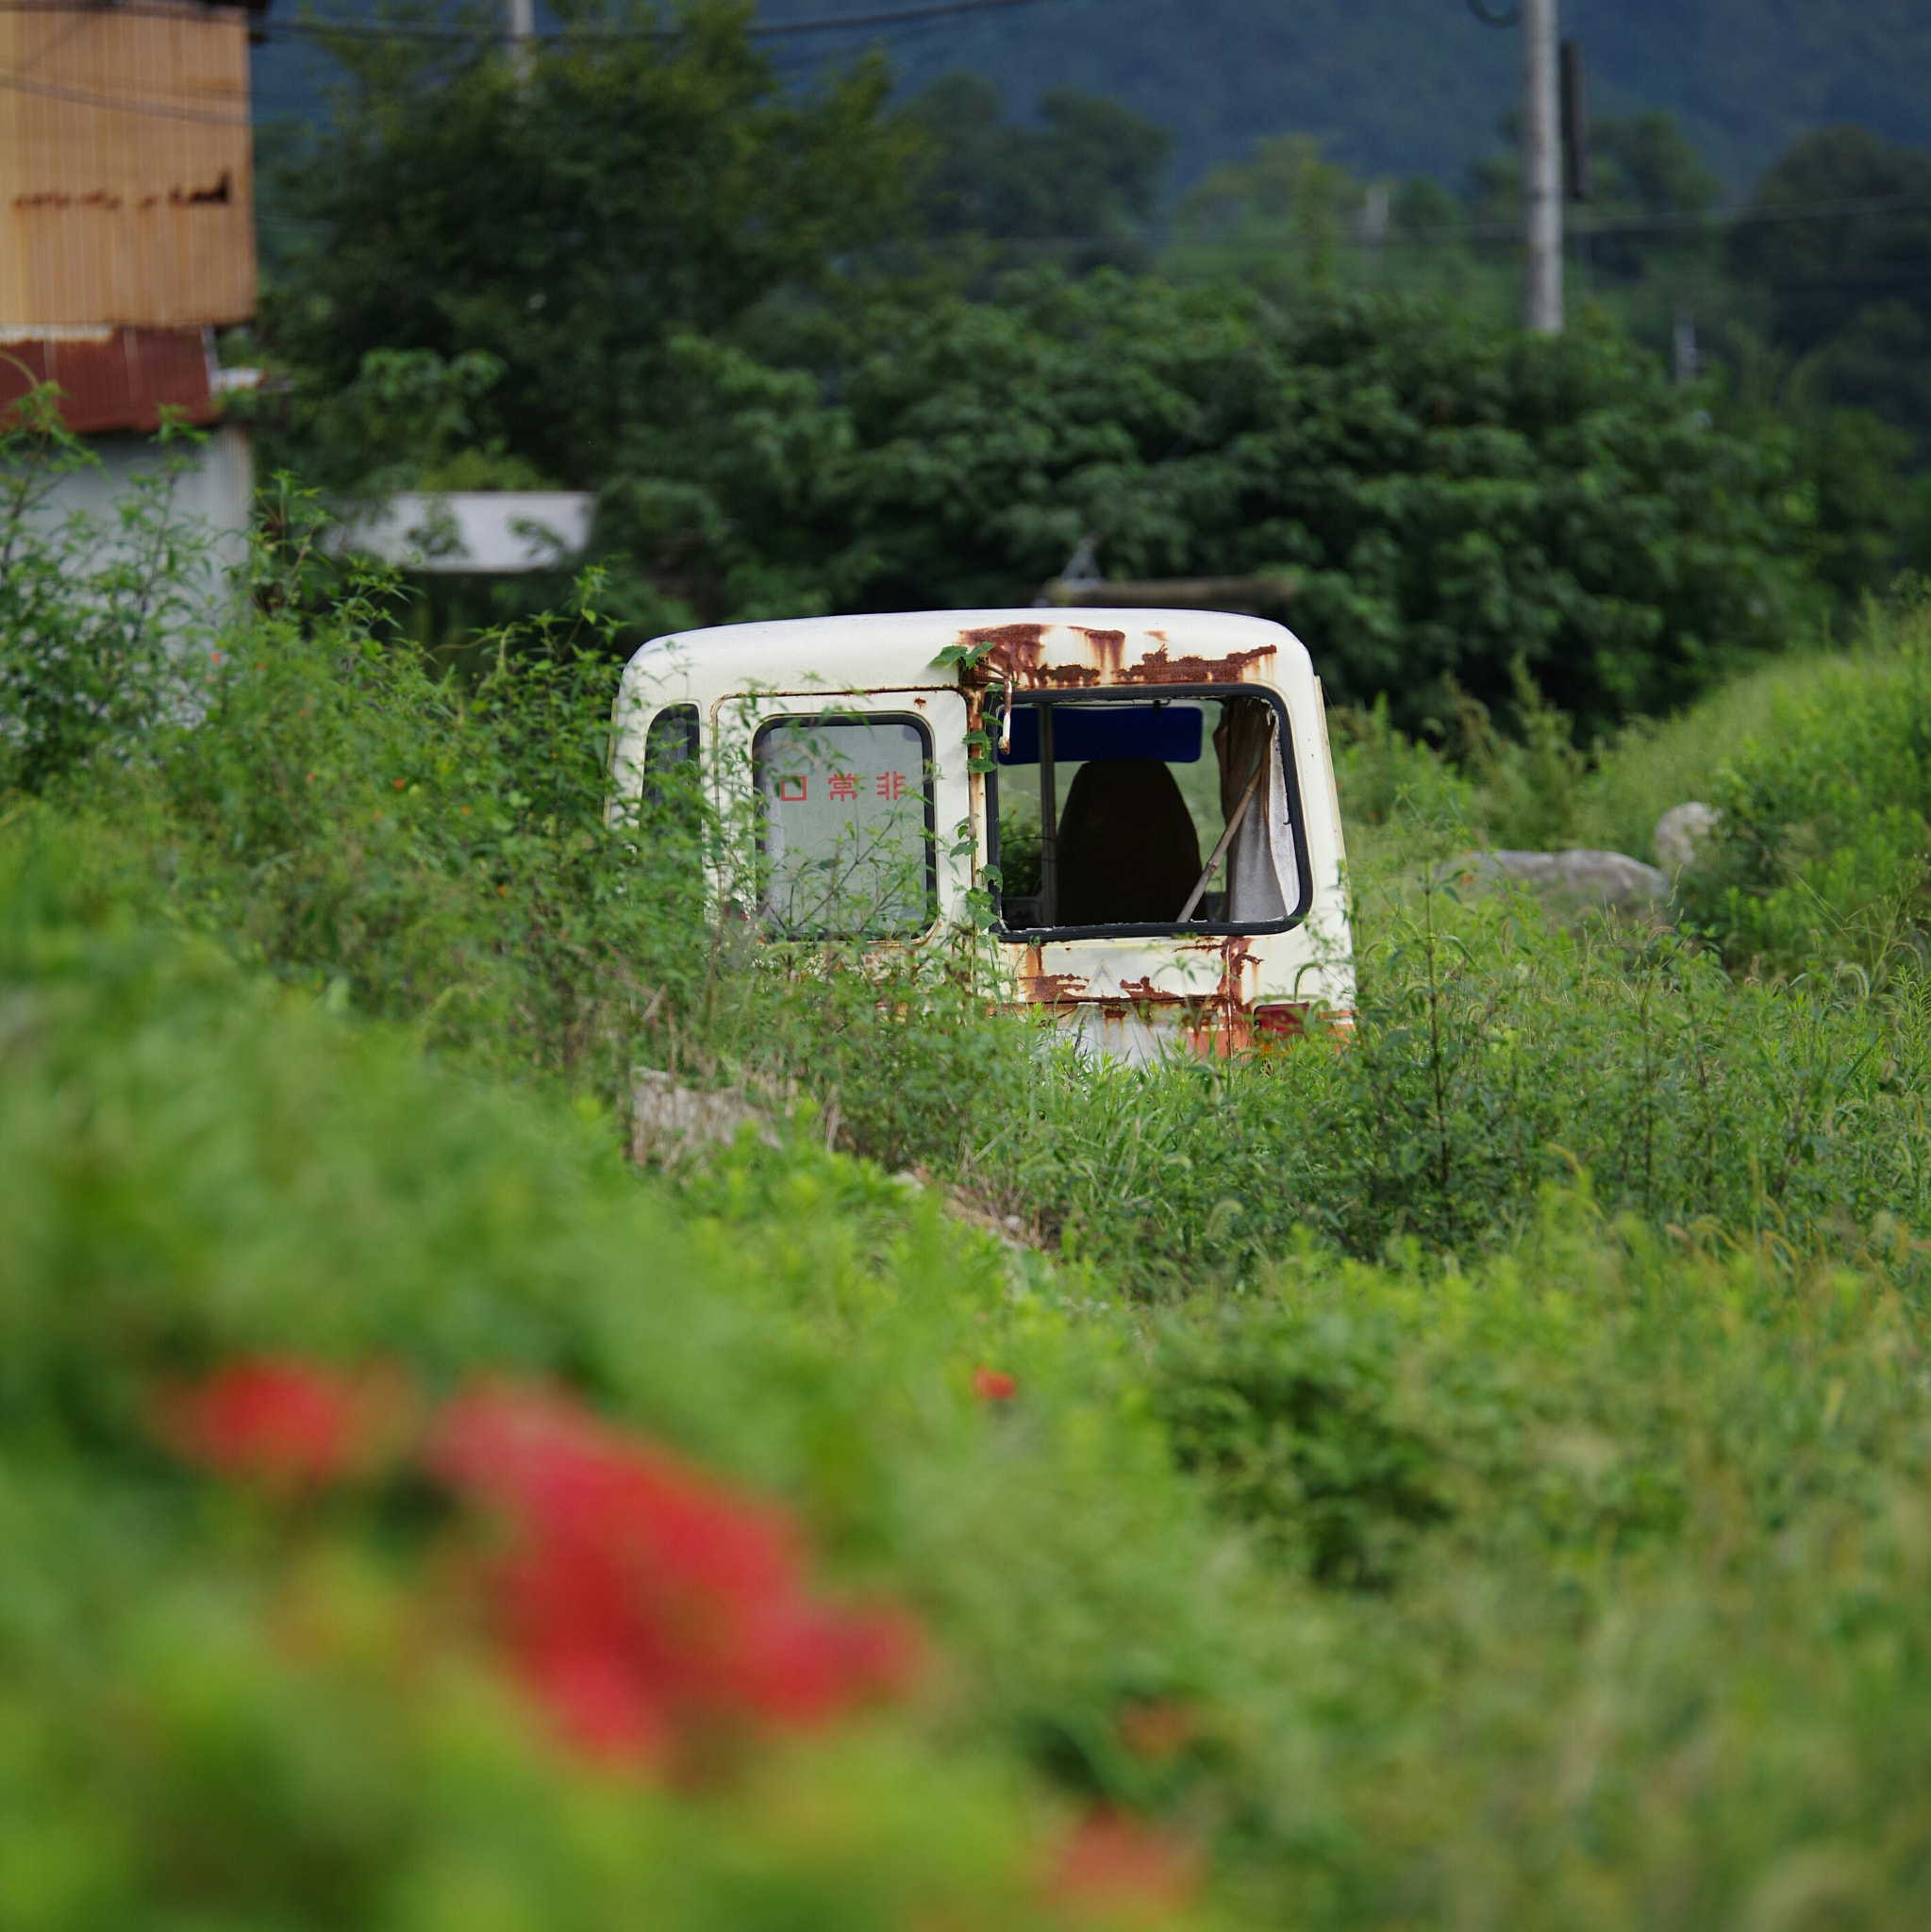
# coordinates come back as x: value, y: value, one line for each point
x: 519, y: 18
x: 1541, y: 171
x: 1374, y: 225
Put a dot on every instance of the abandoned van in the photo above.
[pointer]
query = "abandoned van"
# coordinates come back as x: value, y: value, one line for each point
x: 1144, y: 799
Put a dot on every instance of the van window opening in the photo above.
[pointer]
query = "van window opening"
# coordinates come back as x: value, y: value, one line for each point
x: 1152, y: 815
x: 671, y: 738
x: 847, y: 845
x: 670, y: 797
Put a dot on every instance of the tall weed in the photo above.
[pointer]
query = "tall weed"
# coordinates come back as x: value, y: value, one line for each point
x: 1493, y: 1051
x: 105, y: 625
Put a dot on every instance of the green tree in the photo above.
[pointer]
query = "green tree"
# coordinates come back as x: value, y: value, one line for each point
x: 1449, y: 497
x: 1840, y: 242
x: 1647, y: 171
x: 640, y: 179
x: 1088, y: 168
x: 1284, y: 197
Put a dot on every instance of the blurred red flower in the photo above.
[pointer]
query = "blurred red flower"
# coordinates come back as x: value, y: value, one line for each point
x: 1157, y: 1730
x: 993, y: 1385
x: 643, y: 1600
x: 1115, y: 1866
x: 286, y: 1423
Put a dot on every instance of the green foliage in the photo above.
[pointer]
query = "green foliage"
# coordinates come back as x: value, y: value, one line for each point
x: 1645, y: 169
x: 1283, y: 194
x: 1843, y: 280
x: 1089, y: 171
x: 408, y: 420
x: 1422, y: 1449
x: 440, y: 851
x: 1491, y: 1055
x: 1293, y: 1424
x: 102, y: 627
x: 1529, y: 782
x: 433, y: 848
x: 1448, y: 500
x: 1385, y: 778
x: 1649, y: 187
x: 1855, y: 502
x: 1822, y: 852
x: 564, y: 224
x: 1651, y: 1493
x: 1412, y: 86
x: 647, y: 269
x: 217, y: 1709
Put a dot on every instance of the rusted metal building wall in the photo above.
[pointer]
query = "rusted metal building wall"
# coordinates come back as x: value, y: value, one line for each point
x: 126, y: 191
x: 111, y: 378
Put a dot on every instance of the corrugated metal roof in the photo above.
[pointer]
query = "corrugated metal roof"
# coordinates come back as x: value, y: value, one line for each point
x: 112, y: 378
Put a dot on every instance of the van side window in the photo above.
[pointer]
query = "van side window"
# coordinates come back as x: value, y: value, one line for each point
x: 847, y: 806
x: 1166, y: 814
x: 670, y: 788
x: 671, y: 739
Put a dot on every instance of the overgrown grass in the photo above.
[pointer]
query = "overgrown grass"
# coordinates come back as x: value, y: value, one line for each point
x: 1532, y: 786
x: 1581, y: 1585
x: 1472, y: 1475
x: 1824, y: 852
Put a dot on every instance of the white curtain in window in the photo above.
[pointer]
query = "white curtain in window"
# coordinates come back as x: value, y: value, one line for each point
x: 1263, y: 881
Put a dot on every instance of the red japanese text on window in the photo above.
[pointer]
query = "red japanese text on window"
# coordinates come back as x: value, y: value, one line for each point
x: 892, y: 784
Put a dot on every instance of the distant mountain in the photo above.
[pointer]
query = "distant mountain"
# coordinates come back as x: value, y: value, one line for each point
x: 1405, y: 86
x: 1391, y: 86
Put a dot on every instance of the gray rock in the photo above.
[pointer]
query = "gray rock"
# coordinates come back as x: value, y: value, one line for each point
x: 670, y: 1124
x: 1680, y: 832
x: 1611, y: 879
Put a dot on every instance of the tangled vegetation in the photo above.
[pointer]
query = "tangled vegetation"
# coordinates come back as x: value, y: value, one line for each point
x: 1476, y: 1476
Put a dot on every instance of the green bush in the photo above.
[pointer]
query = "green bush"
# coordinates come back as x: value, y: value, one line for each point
x: 1825, y: 847
x: 1448, y: 499
x: 105, y: 624
x: 429, y: 844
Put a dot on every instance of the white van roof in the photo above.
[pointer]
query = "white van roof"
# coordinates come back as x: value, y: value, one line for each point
x: 1058, y: 649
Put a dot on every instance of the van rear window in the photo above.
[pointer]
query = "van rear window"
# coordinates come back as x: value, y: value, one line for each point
x: 1135, y: 815
x: 847, y: 826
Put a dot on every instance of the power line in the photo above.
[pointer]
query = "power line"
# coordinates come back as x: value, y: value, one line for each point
x: 19, y: 83
x: 120, y: 104
x: 768, y: 30
x: 938, y: 10
x: 1662, y: 222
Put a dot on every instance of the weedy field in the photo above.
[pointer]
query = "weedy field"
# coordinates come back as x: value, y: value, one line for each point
x: 1480, y: 1475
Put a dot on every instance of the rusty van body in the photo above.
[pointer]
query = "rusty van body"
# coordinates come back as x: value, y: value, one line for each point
x: 1145, y: 800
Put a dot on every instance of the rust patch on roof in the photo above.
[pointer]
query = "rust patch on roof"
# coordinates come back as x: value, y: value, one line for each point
x: 1158, y: 667
x: 1008, y: 654
x: 1108, y: 646
x: 1018, y: 641
x: 1017, y: 654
